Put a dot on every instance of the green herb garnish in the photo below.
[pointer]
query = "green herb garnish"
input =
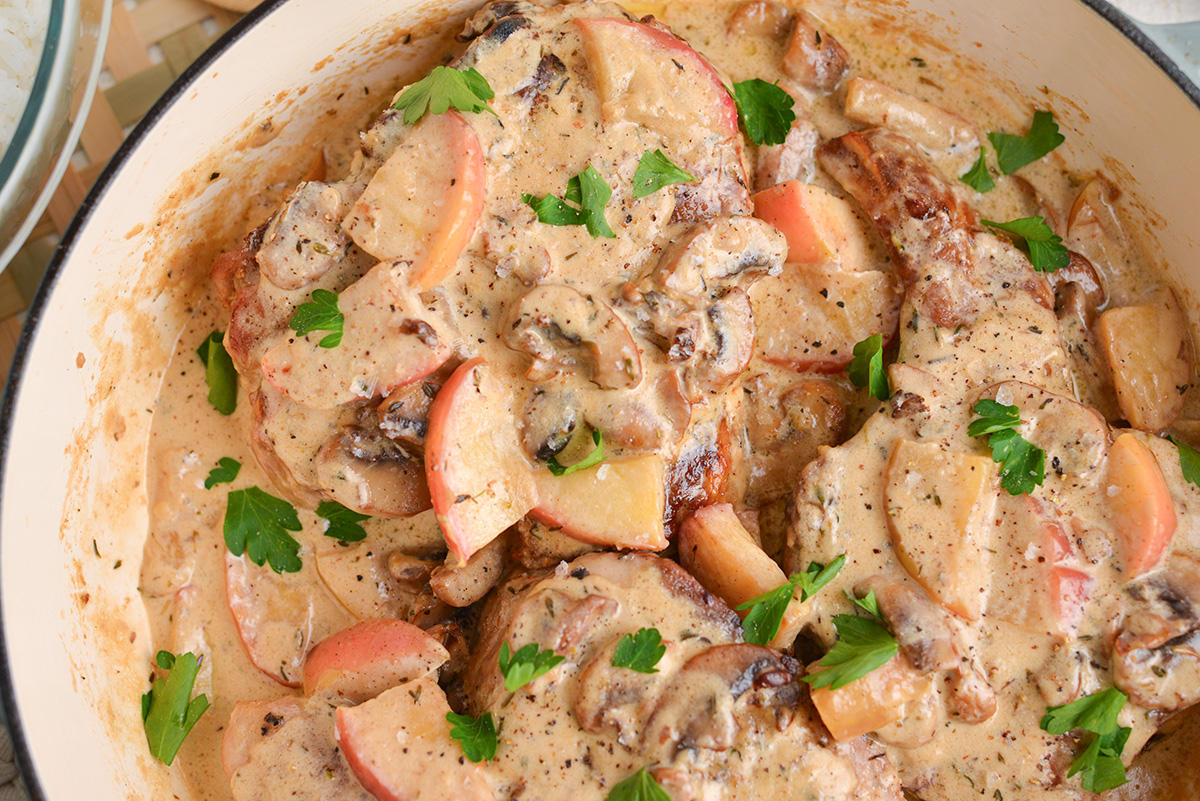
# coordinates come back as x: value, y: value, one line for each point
x: 866, y: 368
x: 168, y: 710
x: 225, y: 472
x: 257, y: 524
x: 655, y: 171
x: 1189, y: 461
x: 1022, y: 464
x: 476, y: 735
x: 588, y: 192
x: 767, y: 610
x: 465, y: 90
x: 1044, y: 248
x: 979, y: 177
x: 219, y: 373
x: 641, y: 786
x: 322, y: 314
x: 863, y: 645
x: 1100, y: 761
x: 1014, y: 152
x: 640, y: 651
x: 591, y: 460
x: 528, y: 663
x: 343, y: 522
x: 766, y: 111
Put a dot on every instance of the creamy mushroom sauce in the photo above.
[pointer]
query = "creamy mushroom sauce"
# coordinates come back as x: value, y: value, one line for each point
x: 715, y: 377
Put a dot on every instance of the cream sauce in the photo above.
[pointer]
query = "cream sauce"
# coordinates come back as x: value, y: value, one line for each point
x: 775, y: 419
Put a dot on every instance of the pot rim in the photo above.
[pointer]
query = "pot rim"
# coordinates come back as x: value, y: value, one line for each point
x: 21, y: 750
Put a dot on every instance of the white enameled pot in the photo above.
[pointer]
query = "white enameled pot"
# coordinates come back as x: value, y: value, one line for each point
x: 77, y: 412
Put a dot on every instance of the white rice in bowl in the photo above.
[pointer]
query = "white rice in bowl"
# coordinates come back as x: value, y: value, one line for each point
x: 22, y: 34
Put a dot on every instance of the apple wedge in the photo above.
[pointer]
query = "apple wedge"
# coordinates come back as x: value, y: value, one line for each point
x: 811, y: 317
x: 479, y: 479
x: 278, y: 616
x: 717, y: 550
x: 1139, y: 505
x: 361, y: 662
x: 820, y: 228
x: 423, y: 204
x: 399, y: 746
x: 873, y: 701
x: 939, y: 511
x: 1148, y: 348
x: 618, y: 504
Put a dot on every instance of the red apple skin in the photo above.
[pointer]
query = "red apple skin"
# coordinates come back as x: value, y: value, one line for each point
x: 1140, y: 506
x: 372, y: 656
x: 399, y: 747
x: 480, y: 481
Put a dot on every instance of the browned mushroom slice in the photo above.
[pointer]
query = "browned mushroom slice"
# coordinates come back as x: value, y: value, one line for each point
x: 404, y: 413
x: 923, y: 629
x: 304, y: 239
x: 724, y: 252
x: 615, y: 698
x: 700, y: 475
x: 563, y: 329
x: 372, y: 474
x: 463, y: 585
x: 1156, y: 654
x: 814, y: 58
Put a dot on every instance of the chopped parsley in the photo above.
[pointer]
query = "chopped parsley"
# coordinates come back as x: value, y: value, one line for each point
x: 868, y: 602
x: 589, y: 195
x: 444, y: 87
x: 477, y: 736
x: 343, y: 522
x: 979, y: 177
x: 1189, y: 461
x: 1022, y: 464
x: 527, y: 664
x: 1014, y: 152
x: 257, y: 524
x: 655, y: 171
x: 1044, y: 248
x: 219, y: 373
x: 766, y: 111
x: 168, y: 710
x: 225, y: 472
x: 866, y: 368
x: 591, y: 460
x: 640, y: 651
x: 641, y: 786
x: 767, y: 610
x: 863, y: 645
x: 322, y: 314
x: 1100, y: 761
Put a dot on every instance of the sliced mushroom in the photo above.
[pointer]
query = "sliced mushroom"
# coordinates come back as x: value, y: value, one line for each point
x: 404, y: 413
x: 304, y: 239
x: 722, y: 252
x: 1156, y: 653
x: 540, y: 547
x: 614, y: 698
x: 563, y: 329
x: 463, y: 585
x: 971, y: 698
x: 814, y: 58
x: 372, y: 474
x: 759, y: 18
x: 1093, y: 227
x: 921, y: 626
x: 794, y: 160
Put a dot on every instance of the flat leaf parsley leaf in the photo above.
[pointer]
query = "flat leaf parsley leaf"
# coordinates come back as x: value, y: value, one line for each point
x: 767, y: 610
x: 866, y: 368
x: 640, y: 651
x: 863, y: 645
x: 868, y: 602
x: 476, y: 735
x: 225, y: 472
x: 655, y: 171
x: 1189, y: 461
x: 168, y: 710
x: 322, y: 314
x: 766, y: 111
x: 1100, y: 761
x: 979, y: 177
x: 588, y: 192
x: 465, y: 90
x: 257, y: 524
x: 641, y: 786
x: 1022, y: 464
x: 1014, y: 152
x: 1044, y: 248
x: 343, y: 522
x: 591, y: 460
x: 219, y: 373
x: 527, y: 664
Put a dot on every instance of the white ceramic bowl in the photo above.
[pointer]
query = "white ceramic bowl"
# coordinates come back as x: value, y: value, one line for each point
x: 77, y: 412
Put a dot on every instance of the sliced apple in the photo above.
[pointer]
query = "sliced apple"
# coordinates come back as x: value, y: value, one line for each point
x: 279, y: 615
x: 1139, y: 505
x: 1148, y: 349
x: 715, y: 547
x: 423, y: 204
x: 875, y: 700
x: 619, y: 503
x: 364, y: 660
x: 389, y: 339
x: 810, y: 317
x: 399, y: 746
x: 939, y: 510
x: 479, y: 479
x: 820, y: 227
